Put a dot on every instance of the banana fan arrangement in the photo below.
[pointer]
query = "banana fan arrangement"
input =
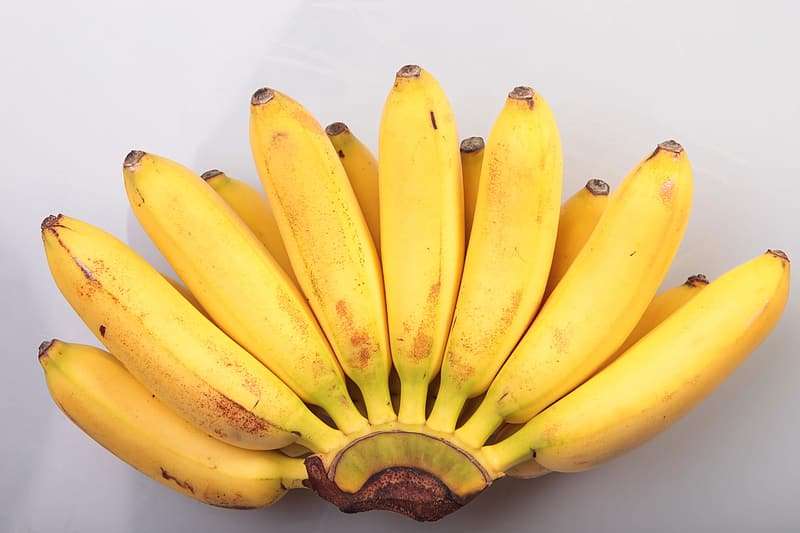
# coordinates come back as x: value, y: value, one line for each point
x: 395, y: 333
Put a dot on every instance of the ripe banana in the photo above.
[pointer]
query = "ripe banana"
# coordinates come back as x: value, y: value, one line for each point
x: 660, y: 378
x: 327, y: 239
x: 601, y: 297
x: 253, y: 208
x: 422, y: 229
x: 509, y: 254
x: 662, y: 306
x: 362, y: 171
x: 471, y: 159
x: 108, y: 404
x: 579, y: 216
x: 186, y: 293
x: 169, y: 346
x: 236, y: 280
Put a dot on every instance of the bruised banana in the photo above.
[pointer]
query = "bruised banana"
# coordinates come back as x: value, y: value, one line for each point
x: 362, y: 171
x: 171, y: 348
x: 102, y: 398
x: 237, y: 281
x: 510, y: 249
x: 327, y: 240
x: 660, y: 378
x: 579, y: 216
x: 600, y: 299
x: 253, y: 208
x: 422, y: 229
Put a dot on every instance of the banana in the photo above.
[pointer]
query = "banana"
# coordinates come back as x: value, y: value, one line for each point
x: 579, y: 216
x: 171, y: 348
x: 186, y: 293
x: 362, y: 171
x: 471, y: 159
x: 107, y: 403
x: 601, y: 297
x: 422, y: 229
x: 253, y: 208
x: 510, y: 249
x: 327, y: 240
x: 662, y: 306
x: 236, y: 280
x: 660, y: 378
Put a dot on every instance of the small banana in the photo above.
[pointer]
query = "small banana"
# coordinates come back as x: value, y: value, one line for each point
x: 236, y: 280
x: 600, y: 298
x: 253, y: 208
x: 660, y: 378
x: 327, y: 240
x: 108, y: 404
x: 579, y: 216
x: 509, y: 254
x: 362, y: 171
x: 471, y: 159
x: 662, y: 306
x: 422, y: 229
x: 171, y: 348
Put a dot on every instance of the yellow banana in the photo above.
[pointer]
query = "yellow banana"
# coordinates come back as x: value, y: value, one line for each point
x: 510, y: 249
x: 662, y: 306
x: 185, y: 292
x: 108, y: 404
x: 327, y: 240
x: 422, y: 229
x: 471, y: 159
x: 579, y: 216
x: 253, y: 208
x: 169, y: 346
x: 601, y: 297
x: 236, y: 280
x: 660, y: 378
x: 362, y: 171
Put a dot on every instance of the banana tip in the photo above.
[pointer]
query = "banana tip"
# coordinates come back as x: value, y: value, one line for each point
x: 598, y: 187
x: 336, y: 128
x: 697, y: 280
x: 208, y: 174
x: 780, y: 254
x: 671, y: 146
x: 472, y: 144
x: 521, y: 92
x: 262, y: 96
x: 45, y: 347
x: 51, y: 221
x: 133, y: 159
x: 409, y: 71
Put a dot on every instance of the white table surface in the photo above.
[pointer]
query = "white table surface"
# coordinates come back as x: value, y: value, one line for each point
x: 82, y: 85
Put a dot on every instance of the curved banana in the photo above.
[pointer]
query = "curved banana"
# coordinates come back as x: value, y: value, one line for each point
x: 327, y: 239
x: 185, y: 292
x: 236, y: 280
x: 662, y: 306
x: 471, y: 159
x: 422, y: 229
x: 169, y: 346
x: 108, y: 404
x: 660, y: 378
x: 601, y: 297
x: 253, y: 208
x: 579, y: 216
x: 362, y: 171
x: 509, y: 254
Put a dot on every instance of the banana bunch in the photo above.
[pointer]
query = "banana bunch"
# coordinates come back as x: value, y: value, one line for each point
x: 394, y: 332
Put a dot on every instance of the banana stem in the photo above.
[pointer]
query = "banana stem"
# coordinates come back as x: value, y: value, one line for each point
x: 378, y: 401
x: 480, y: 426
x: 413, y: 401
x: 446, y: 411
x: 509, y: 452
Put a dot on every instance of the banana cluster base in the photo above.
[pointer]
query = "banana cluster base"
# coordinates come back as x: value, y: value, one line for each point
x: 405, y: 469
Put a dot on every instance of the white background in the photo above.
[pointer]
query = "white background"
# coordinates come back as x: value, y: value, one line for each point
x: 82, y: 85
